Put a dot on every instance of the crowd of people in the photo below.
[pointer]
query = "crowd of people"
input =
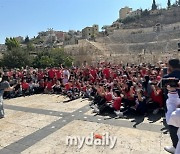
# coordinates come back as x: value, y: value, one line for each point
x: 116, y: 89
x: 110, y: 87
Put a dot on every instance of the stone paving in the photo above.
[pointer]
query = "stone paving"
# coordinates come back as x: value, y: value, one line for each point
x: 40, y: 124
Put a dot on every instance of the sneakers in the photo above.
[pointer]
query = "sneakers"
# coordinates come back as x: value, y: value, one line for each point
x: 170, y: 149
x: 119, y: 114
x: 96, y: 110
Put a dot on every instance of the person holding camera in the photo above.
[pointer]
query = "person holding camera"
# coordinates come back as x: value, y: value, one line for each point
x: 4, y: 86
x: 174, y: 72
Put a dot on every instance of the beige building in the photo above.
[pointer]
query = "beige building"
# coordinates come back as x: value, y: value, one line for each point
x: 154, y: 12
x: 88, y: 32
x: 135, y: 13
x: 124, y: 12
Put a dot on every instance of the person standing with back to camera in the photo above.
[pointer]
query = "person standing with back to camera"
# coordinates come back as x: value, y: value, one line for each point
x: 4, y: 86
x: 174, y: 72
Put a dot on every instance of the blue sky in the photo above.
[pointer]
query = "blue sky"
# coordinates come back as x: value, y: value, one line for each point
x: 28, y: 17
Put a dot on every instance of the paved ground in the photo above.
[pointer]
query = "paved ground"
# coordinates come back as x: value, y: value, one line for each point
x: 40, y: 124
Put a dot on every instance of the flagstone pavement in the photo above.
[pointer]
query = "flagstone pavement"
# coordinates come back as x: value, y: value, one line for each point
x: 40, y: 124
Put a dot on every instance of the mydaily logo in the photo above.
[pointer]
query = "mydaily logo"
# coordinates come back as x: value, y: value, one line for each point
x: 98, y: 140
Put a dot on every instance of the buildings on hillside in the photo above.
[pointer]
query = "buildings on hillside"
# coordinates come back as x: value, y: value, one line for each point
x: 72, y: 37
x: 123, y: 12
x: 126, y: 11
x: 90, y: 32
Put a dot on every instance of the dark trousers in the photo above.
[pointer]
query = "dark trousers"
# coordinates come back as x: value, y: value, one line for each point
x: 173, y: 134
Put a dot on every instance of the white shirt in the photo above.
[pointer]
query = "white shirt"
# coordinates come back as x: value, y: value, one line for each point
x: 173, y: 115
x: 172, y: 102
x: 66, y: 72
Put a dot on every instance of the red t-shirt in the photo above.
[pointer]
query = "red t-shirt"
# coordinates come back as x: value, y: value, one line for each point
x: 20, y: 74
x: 49, y: 85
x: 58, y: 74
x: 25, y: 85
x: 40, y: 75
x: 113, y: 75
x: 106, y: 73
x: 45, y: 83
x: 93, y: 72
x: 86, y: 72
x: 158, y: 99
x: 51, y: 73
x: 67, y: 86
x: 84, y: 88
x: 108, y: 97
x: 117, y: 103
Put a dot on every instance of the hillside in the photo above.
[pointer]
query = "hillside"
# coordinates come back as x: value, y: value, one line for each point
x: 165, y: 17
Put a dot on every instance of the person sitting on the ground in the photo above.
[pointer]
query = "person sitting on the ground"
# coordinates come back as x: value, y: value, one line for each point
x: 157, y: 99
x: 49, y: 87
x: 57, y: 87
x: 25, y: 87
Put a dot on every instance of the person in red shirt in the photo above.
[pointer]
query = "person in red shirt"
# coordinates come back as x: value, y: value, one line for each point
x: 58, y: 74
x: 114, y: 107
x: 93, y: 74
x: 108, y: 94
x: 116, y: 101
x: 106, y: 72
x: 157, y: 99
x: 129, y: 93
x: 40, y: 75
x: 51, y: 73
x: 49, y: 87
x: 25, y: 87
x: 68, y: 86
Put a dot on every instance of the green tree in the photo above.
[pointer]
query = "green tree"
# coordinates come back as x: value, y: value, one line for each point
x: 68, y: 61
x: 16, y: 58
x: 30, y: 47
x: 52, y: 58
x: 46, y: 61
x: 11, y: 43
x: 60, y: 57
x: 169, y: 3
x: 154, y: 6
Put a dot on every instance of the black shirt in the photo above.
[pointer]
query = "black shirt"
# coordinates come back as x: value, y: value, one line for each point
x: 175, y: 74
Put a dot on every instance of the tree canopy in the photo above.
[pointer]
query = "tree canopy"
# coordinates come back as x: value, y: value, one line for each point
x: 17, y: 56
x: 11, y: 43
